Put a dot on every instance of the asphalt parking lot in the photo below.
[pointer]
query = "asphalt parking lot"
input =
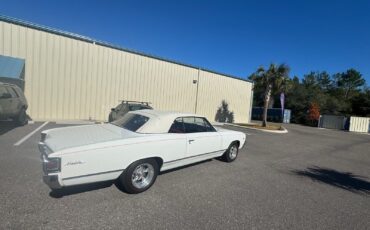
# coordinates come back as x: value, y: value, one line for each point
x: 306, y: 179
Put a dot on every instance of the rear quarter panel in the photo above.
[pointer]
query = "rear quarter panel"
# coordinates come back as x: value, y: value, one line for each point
x: 113, y: 157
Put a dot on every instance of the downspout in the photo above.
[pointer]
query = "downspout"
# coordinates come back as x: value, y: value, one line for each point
x: 251, y: 103
x: 196, y: 95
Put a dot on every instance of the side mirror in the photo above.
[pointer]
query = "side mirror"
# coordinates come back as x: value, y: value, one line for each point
x: 6, y: 95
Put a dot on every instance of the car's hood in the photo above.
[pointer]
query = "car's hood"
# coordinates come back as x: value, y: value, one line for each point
x: 74, y: 136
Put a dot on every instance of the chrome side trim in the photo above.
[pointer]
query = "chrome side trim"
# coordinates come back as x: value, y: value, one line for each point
x: 51, y: 181
x: 93, y: 174
x: 194, y: 156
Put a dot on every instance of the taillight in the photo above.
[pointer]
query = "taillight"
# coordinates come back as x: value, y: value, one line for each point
x: 52, y: 165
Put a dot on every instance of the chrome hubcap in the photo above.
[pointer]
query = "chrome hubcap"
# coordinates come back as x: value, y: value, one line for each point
x: 142, y: 175
x: 233, y: 152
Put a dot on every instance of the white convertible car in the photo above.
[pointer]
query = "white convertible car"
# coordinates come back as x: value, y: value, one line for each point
x: 133, y: 149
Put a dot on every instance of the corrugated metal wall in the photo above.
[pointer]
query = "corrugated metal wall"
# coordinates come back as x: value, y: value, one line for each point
x: 214, y: 88
x: 73, y: 79
x: 359, y: 124
x: 332, y: 122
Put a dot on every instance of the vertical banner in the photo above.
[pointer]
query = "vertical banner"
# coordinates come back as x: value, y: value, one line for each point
x: 282, y: 100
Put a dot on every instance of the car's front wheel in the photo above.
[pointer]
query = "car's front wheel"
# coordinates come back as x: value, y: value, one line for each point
x: 232, y: 152
x: 139, y: 176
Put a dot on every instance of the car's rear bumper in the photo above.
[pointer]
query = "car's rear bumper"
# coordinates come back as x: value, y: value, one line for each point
x: 52, y: 181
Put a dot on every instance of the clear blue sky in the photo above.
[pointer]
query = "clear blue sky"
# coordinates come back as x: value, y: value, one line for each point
x: 233, y: 37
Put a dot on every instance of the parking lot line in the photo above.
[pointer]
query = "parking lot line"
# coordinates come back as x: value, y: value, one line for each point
x: 30, y: 134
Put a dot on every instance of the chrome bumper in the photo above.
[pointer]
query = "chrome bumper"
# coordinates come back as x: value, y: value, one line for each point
x: 52, y: 181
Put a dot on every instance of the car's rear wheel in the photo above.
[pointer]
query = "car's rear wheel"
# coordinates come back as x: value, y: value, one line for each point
x: 139, y: 176
x: 21, y: 119
x: 231, y: 153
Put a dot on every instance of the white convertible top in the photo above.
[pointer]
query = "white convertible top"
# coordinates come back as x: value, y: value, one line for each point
x: 160, y: 121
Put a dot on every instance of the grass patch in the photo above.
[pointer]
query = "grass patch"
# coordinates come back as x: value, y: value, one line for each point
x: 258, y: 126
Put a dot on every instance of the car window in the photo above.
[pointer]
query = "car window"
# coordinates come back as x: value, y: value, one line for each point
x: 146, y: 107
x: 199, y: 121
x: 13, y: 92
x: 210, y: 128
x: 177, y: 126
x: 2, y: 90
x: 197, y: 124
x: 135, y: 107
x: 131, y: 121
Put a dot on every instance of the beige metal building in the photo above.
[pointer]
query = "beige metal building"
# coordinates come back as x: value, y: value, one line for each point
x: 69, y: 77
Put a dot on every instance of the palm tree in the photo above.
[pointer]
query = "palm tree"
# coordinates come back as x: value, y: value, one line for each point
x: 273, y: 80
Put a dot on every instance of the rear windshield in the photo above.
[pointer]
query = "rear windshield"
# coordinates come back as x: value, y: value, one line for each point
x: 131, y: 121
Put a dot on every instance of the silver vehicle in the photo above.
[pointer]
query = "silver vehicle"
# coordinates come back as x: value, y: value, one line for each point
x: 13, y: 104
x: 125, y: 107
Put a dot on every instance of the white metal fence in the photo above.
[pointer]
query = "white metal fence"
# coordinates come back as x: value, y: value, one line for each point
x: 360, y: 124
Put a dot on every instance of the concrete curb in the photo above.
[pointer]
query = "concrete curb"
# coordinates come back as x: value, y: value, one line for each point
x: 263, y: 130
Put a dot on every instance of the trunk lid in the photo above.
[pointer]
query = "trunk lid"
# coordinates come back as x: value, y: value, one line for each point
x: 75, y: 136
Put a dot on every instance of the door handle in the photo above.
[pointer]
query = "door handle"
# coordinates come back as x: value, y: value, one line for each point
x: 190, y: 141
